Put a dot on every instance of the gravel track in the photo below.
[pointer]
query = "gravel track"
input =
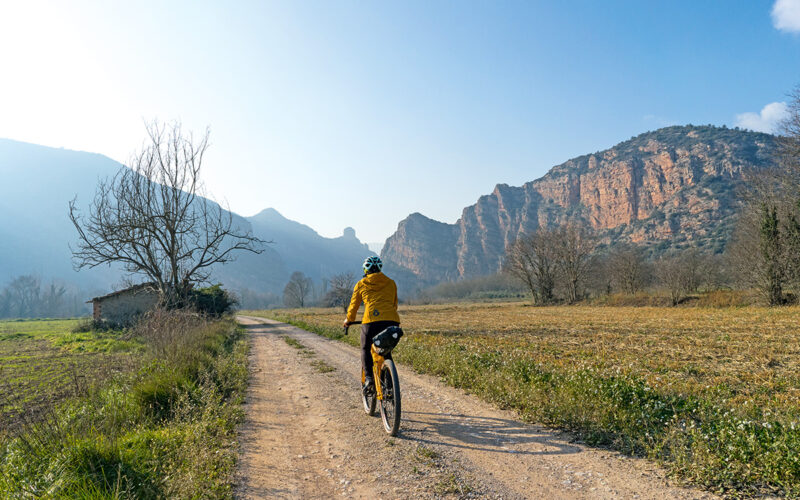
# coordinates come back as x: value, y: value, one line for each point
x: 306, y: 436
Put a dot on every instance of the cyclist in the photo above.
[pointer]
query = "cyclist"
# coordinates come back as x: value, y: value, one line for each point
x: 379, y: 294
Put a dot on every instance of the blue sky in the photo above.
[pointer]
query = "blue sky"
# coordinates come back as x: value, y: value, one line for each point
x: 359, y: 113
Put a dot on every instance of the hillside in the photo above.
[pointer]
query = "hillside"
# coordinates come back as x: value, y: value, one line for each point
x: 302, y: 248
x: 35, y: 230
x: 668, y: 188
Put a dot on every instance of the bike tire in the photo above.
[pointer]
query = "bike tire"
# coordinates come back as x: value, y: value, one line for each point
x: 391, y: 403
x: 369, y: 402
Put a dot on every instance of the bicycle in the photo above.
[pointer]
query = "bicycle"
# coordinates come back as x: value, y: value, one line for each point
x: 388, y: 390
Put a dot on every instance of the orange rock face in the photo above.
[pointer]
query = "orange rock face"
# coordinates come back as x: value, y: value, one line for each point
x: 674, y: 185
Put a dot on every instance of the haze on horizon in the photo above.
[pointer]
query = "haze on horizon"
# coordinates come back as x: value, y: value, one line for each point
x: 351, y: 114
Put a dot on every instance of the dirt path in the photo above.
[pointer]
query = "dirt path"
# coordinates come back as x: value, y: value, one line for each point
x: 306, y: 436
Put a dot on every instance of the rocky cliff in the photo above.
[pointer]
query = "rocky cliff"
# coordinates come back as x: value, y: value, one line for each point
x: 666, y: 188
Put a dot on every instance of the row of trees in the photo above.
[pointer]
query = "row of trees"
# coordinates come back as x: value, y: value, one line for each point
x: 565, y: 264
x: 335, y: 292
x: 26, y: 297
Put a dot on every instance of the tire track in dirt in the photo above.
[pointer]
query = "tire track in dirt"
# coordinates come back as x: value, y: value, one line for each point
x: 306, y: 436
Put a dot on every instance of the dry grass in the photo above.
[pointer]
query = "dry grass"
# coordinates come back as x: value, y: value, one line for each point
x: 753, y: 353
x: 712, y: 392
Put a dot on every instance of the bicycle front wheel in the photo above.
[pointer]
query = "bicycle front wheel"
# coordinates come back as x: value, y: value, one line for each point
x: 390, y: 405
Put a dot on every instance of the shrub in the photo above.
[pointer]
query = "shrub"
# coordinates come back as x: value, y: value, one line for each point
x: 213, y: 301
x: 88, y: 325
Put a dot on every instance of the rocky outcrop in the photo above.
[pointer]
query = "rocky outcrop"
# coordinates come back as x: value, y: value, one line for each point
x: 664, y: 188
x: 422, y: 250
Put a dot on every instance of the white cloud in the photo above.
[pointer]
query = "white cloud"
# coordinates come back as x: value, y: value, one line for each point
x: 786, y: 15
x: 658, y: 121
x: 766, y: 121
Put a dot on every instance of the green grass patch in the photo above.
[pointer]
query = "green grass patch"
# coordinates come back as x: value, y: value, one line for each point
x: 322, y: 366
x: 109, y: 341
x: 43, y: 362
x: 293, y: 342
x: 317, y: 364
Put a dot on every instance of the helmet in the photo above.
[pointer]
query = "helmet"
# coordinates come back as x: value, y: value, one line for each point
x: 372, y: 265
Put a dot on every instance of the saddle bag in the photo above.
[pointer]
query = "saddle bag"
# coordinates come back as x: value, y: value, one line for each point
x: 387, y: 340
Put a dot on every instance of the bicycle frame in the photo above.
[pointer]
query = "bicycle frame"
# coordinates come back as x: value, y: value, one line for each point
x: 377, y: 366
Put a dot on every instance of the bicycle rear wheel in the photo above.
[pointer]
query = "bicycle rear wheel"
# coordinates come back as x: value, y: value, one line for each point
x: 390, y: 405
x: 369, y: 402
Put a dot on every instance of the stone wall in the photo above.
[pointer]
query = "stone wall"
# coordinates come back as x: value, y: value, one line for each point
x: 124, y: 308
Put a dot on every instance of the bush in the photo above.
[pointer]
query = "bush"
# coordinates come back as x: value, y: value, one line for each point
x: 88, y: 325
x: 213, y: 301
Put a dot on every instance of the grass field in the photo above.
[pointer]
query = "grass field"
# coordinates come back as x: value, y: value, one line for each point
x: 146, y: 413
x: 42, y: 362
x: 713, y: 393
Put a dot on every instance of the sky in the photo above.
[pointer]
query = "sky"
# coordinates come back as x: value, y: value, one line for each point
x: 354, y: 113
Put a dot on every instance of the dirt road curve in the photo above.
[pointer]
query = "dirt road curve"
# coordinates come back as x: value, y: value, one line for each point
x: 306, y: 436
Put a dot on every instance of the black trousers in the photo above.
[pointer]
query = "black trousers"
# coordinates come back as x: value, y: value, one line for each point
x: 368, y: 332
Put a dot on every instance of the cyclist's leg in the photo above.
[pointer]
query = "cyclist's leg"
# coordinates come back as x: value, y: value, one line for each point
x: 366, y: 355
x: 387, y: 324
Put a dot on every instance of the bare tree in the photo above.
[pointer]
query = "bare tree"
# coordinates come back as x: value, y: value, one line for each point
x: 531, y: 260
x: 5, y: 303
x: 297, y: 290
x: 628, y: 268
x: 24, y: 292
x: 789, y: 140
x: 694, y: 265
x: 674, y: 275
x: 52, y: 299
x: 155, y: 219
x: 572, y: 250
x: 341, y: 289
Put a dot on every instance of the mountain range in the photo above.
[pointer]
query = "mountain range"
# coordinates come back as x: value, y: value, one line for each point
x: 669, y: 188
x: 35, y: 230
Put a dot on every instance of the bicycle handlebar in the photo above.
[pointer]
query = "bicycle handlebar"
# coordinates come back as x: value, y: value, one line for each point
x: 347, y: 328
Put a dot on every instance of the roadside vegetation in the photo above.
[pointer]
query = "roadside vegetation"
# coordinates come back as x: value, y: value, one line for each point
x: 148, y: 412
x: 712, y: 393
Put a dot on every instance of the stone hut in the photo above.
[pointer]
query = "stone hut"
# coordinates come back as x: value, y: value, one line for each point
x: 124, y: 306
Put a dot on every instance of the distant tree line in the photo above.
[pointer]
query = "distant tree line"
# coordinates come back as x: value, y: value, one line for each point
x: 332, y: 292
x: 26, y: 297
x: 566, y: 264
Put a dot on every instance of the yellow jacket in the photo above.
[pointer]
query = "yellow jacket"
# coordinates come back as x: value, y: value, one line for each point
x: 379, y: 294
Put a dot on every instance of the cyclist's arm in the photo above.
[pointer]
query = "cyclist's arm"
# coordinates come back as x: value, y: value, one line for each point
x: 355, y: 303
